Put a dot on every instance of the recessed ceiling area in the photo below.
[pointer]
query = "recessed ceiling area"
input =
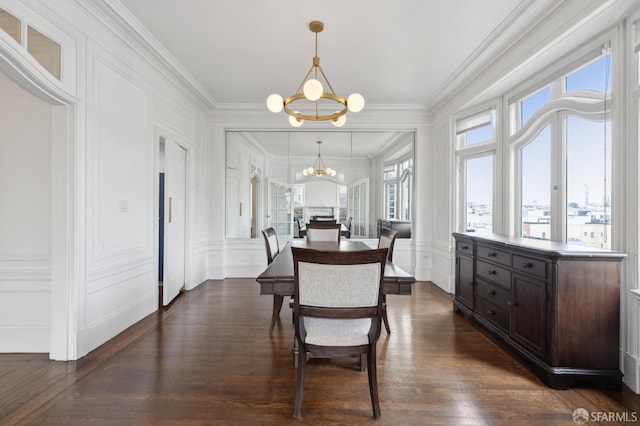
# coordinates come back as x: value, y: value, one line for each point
x: 394, y: 53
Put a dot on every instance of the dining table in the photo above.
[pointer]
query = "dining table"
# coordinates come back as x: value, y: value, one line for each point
x: 278, y: 278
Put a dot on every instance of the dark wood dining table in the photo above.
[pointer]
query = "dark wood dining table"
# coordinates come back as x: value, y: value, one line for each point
x: 278, y: 278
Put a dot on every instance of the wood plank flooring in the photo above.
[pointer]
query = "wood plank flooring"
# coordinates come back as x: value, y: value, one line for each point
x: 209, y: 360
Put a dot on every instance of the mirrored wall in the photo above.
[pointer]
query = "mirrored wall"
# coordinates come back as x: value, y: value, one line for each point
x: 285, y: 179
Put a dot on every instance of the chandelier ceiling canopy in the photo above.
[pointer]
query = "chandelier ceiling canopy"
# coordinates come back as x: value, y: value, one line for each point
x: 319, y: 167
x: 322, y: 106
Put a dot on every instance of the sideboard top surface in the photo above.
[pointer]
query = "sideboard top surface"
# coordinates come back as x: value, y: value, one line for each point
x: 544, y: 247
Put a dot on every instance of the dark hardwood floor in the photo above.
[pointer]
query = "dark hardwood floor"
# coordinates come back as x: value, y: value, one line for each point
x: 210, y: 360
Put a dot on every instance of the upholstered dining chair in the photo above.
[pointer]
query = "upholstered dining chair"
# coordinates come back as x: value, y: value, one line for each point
x: 323, y: 232
x: 348, y: 226
x: 387, y: 240
x: 273, y: 249
x: 337, y: 310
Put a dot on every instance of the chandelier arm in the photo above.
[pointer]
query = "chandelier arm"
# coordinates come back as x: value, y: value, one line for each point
x: 304, y: 80
x: 327, y: 80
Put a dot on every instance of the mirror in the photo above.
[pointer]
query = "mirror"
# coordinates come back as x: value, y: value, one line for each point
x: 283, y: 178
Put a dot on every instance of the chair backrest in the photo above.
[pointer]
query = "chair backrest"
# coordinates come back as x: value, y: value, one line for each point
x: 327, y: 283
x: 321, y: 217
x: 271, y: 243
x: 297, y: 219
x: 322, y: 221
x: 349, y: 221
x: 387, y: 240
x: 323, y: 232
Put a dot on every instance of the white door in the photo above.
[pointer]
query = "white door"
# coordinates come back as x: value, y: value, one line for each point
x: 174, y: 221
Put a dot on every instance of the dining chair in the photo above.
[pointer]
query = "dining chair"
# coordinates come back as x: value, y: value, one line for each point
x: 323, y: 231
x: 297, y: 219
x: 337, y: 310
x: 348, y: 226
x: 387, y: 240
x: 273, y: 249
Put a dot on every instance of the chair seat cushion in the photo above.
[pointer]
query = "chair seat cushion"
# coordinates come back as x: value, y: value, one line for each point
x: 337, y: 332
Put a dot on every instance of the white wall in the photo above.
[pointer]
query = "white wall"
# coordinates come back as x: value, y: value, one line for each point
x: 25, y: 220
x: 123, y: 101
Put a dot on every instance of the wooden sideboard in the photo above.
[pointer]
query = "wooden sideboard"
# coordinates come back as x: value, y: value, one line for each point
x: 556, y: 306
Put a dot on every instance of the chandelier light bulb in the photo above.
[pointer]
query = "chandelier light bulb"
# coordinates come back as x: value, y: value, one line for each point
x: 339, y: 122
x: 294, y: 121
x: 312, y: 89
x: 328, y: 170
x: 305, y: 172
x: 355, y: 102
x: 310, y: 170
x: 275, y: 103
x: 333, y: 172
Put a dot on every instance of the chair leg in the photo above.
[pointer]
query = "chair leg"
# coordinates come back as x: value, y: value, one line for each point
x: 275, y: 315
x: 300, y: 372
x: 384, y: 314
x: 363, y: 361
x: 373, y: 381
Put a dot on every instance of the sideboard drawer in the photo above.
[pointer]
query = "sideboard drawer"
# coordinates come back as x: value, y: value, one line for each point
x: 493, y: 314
x: 496, y: 274
x: 530, y: 265
x: 493, y: 255
x: 492, y: 293
x: 464, y: 247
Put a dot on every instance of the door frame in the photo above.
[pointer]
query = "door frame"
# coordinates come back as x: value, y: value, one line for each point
x: 161, y: 130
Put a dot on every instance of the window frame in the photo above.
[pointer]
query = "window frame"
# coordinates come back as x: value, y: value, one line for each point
x: 464, y: 152
x: 585, y: 104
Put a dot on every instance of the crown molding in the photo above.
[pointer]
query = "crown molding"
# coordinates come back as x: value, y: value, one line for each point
x: 511, y: 54
x: 122, y: 23
x: 501, y: 40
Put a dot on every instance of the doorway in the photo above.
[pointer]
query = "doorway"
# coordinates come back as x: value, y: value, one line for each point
x: 171, y: 220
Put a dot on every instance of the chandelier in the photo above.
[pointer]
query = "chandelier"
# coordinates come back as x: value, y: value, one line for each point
x: 312, y: 89
x: 319, y: 168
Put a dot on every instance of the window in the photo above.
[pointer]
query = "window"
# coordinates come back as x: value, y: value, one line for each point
x: 478, y: 190
x: 298, y: 194
x: 342, y: 195
x: 476, y: 145
x: 43, y: 49
x: 476, y: 129
x: 564, y: 156
x: 398, y: 184
x: 10, y: 24
x: 533, y: 103
x: 535, y: 186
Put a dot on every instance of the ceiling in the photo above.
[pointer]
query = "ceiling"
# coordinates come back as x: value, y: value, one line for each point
x: 402, y: 52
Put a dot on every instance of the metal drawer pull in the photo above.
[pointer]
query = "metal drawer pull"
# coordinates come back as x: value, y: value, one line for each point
x: 510, y: 303
x: 492, y: 272
x: 527, y: 265
x: 464, y: 248
x: 491, y: 292
x: 491, y: 313
x: 492, y: 254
